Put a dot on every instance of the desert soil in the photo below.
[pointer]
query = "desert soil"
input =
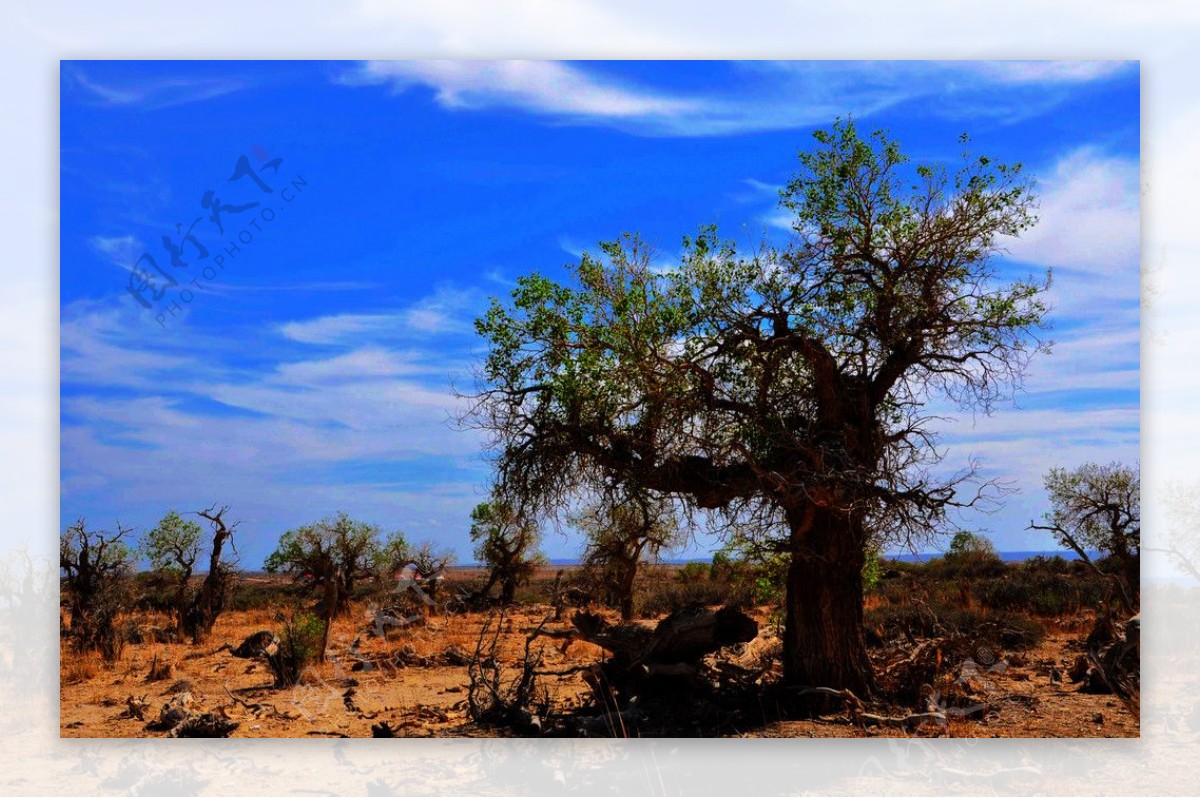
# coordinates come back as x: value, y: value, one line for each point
x: 426, y: 697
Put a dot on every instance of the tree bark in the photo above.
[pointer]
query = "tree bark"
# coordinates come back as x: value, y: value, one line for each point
x: 628, y: 575
x: 823, y: 641
x: 210, y: 600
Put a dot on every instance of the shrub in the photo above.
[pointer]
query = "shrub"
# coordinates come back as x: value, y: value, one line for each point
x: 245, y: 594
x: 301, y: 646
x: 936, y: 619
x: 694, y: 572
x: 658, y: 597
x: 969, y: 555
x: 1042, y: 589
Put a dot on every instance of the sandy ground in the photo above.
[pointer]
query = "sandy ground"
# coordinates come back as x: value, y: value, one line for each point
x: 425, y: 696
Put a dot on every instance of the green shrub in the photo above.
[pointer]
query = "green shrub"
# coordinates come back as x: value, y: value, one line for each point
x: 301, y: 646
x: 258, y: 595
x: 970, y: 556
x: 1042, y: 589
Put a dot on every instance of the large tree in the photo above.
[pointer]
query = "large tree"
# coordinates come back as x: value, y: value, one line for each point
x: 790, y: 386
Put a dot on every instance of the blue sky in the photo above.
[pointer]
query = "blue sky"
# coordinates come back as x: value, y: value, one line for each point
x: 312, y: 372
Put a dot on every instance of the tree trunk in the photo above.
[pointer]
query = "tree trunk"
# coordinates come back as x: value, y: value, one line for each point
x: 208, y: 603
x: 823, y: 641
x: 1132, y: 574
x: 628, y: 572
x: 344, y: 595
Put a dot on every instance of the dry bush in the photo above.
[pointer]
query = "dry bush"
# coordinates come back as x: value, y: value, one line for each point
x: 79, y: 667
x: 97, y: 567
x: 497, y: 696
x: 663, y: 591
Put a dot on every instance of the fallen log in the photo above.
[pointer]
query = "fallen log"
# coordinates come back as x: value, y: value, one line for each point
x: 683, y: 637
x: 907, y: 722
x: 206, y: 724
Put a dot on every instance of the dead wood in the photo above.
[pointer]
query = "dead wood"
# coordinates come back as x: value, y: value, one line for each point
x: 158, y: 671
x: 259, y: 644
x: 205, y: 724
x: 608, y: 724
x: 135, y: 708
x: 907, y: 722
x: 258, y: 709
x: 383, y: 729
x: 683, y: 637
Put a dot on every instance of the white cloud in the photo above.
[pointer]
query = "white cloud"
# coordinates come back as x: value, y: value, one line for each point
x: 448, y: 311
x: 547, y: 87
x: 346, y: 326
x: 366, y: 363
x: 105, y: 346
x: 1089, y: 217
x: 157, y: 93
x: 1049, y: 71
x: 122, y: 251
x: 771, y: 95
x: 289, y: 428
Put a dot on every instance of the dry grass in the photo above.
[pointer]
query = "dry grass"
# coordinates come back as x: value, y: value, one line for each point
x: 77, y: 668
x: 407, y: 680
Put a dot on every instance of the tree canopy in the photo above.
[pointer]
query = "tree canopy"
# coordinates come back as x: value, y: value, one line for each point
x: 334, y: 553
x: 96, y: 566
x: 507, y: 544
x: 623, y: 530
x: 173, y: 545
x: 789, y: 384
x: 1098, y: 508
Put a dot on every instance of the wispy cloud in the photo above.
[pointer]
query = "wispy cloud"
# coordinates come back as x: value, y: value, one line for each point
x: 148, y: 417
x: 121, y: 251
x: 547, y: 87
x: 1047, y: 71
x: 446, y: 312
x: 152, y: 94
x: 1088, y: 216
x: 772, y: 95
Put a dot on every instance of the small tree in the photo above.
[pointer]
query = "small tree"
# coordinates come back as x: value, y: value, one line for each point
x: 96, y: 567
x: 172, y: 547
x: 394, y: 554
x: 1098, y: 508
x: 507, y: 544
x: 209, y: 601
x: 333, y: 554
x: 971, y: 555
x: 428, y: 563
x: 622, y: 531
